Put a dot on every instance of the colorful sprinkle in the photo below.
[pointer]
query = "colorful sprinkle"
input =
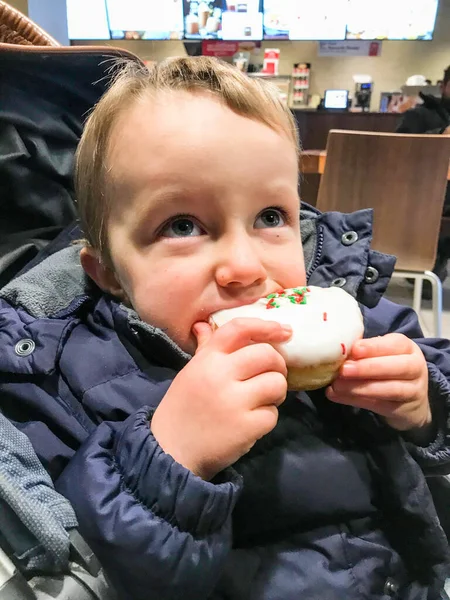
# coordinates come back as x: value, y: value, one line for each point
x: 344, y: 351
x: 325, y: 316
x: 297, y: 296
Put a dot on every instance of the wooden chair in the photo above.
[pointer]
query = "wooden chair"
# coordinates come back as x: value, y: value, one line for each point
x: 403, y: 178
x: 16, y: 28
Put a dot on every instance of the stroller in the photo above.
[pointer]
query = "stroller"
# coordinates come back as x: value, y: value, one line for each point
x: 46, y: 94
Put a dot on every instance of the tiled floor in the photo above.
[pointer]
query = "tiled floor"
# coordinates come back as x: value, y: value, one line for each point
x: 401, y: 291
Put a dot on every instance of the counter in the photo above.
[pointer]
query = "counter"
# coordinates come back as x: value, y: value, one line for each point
x: 314, y: 125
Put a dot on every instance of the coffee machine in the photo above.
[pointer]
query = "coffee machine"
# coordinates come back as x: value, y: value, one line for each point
x: 363, y: 95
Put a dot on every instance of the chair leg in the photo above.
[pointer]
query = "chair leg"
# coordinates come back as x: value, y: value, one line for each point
x: 436, y: 294
x: 436, y: 289
x: 417, y: 298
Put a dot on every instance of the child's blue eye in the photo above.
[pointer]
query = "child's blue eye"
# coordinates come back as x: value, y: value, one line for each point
x: 182, y: 227
x: 271, y: 217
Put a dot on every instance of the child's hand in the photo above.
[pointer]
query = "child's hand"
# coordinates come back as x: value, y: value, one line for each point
x: 226, y: 398
x: 387, y: 375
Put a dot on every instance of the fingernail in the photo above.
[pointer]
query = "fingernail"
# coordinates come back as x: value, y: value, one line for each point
x: 349, y: 369
x: 286, y: 329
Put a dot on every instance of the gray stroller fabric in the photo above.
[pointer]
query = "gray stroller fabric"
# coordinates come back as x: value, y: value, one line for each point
x: 26, y: 488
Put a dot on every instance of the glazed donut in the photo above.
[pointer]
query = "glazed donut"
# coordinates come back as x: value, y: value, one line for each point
x: 325, y: 323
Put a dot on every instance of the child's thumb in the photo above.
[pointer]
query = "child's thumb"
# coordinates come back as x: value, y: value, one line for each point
x: 203, y: 333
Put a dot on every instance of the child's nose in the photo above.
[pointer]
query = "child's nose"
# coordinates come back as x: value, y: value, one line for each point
x: 240, y: 265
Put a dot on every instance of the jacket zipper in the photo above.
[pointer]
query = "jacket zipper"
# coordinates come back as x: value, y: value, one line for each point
x: 319, y: 249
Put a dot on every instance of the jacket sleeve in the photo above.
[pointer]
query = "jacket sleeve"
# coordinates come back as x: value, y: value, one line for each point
x: 388, y: 317
x: 159, y: 531
x: 413, y: 121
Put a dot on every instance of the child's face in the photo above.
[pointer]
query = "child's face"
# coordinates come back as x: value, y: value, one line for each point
x: 205, y: 213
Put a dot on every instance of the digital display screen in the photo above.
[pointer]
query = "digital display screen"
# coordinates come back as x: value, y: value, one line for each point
x: 391, y: 19
x: 251, y: 19
x: 223, y: 19
x: 145, y: 19
x: 336, y: 99
x: 95, y: 27
x: 303, y: 20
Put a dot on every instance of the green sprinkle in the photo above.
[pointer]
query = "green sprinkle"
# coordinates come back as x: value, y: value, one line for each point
x: 270, y: 296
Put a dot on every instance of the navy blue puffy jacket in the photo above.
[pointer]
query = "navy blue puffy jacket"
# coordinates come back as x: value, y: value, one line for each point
x: 331, y: 504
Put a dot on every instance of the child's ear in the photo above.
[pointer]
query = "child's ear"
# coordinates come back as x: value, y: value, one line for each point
x: 101, y: 274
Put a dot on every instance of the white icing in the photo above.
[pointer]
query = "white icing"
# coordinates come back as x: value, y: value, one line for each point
x: 314, y: 339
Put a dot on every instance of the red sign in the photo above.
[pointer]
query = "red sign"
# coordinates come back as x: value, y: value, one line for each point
x: 375, y: 49
x: 219, y: 48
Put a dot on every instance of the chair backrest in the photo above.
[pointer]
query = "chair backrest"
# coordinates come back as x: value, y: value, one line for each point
x: 402, y: 177
x: 16, y: 28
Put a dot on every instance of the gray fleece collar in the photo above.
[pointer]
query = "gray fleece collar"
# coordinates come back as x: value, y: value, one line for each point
x: 50, y: 289
x: 145, y: 331
x: 51, y: 286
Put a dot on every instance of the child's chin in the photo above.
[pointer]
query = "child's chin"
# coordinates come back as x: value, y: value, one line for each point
x: 187, y: 343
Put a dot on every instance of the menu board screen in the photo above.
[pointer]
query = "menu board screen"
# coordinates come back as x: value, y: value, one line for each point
x: 95, y: 27
x: 391, y: 19
x: 145, y: 19
x: 223, y: 19
x: 303, y: 20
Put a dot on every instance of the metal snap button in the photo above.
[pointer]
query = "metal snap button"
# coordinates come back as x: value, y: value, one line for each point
x: 372, y: 275
x: 391, y: 587
x: 25, y: 347
x: 339, y: 282
x: 349, y: 238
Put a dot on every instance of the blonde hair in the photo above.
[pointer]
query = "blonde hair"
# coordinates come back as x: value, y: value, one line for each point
x: 245, y: 96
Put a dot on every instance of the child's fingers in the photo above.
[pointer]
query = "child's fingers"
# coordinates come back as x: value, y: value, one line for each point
x: 355, y: 391
x: 253, y: 360
x: 385, y: 345
x: 399, y: 415
x: 203, y: 332
x: 239, y: 333
x: 266, y: 389
x: 384, y: 408
x: 403, y: 366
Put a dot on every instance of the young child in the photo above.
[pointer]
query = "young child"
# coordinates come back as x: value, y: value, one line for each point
x: 192, y: 472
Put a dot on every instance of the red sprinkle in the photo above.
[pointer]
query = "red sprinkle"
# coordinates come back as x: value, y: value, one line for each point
x: 325, y: 316
x: 271, y: 303
x: 344, y: 351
